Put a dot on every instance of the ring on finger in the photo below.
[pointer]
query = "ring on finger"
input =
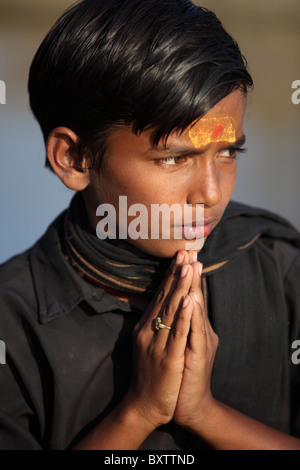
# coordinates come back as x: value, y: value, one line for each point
x: 158, y: 325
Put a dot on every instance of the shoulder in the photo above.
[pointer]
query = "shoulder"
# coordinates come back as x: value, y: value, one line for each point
x: 244, y: 227
x: 270, y: 228
x: 285, y: 254
x: 19, y: 278
x: 275, y: 235
x: 14, y: 267
x: 16, y: 284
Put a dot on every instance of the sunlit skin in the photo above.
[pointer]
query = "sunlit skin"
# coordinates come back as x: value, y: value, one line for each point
x: 175, y: 173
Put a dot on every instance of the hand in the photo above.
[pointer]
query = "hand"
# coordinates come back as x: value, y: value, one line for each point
x: 159, y: 356
x: 195, y: 399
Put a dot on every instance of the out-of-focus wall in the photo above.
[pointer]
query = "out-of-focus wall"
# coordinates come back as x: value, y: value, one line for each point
x: 30, y: 196
x: 269, y: 35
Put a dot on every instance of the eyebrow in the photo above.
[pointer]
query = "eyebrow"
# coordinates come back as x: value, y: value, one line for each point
x: 177, y: 151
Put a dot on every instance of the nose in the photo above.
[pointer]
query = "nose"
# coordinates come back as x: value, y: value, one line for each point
x: 204, y: 186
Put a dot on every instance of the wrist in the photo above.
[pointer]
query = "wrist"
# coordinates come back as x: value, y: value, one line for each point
x: 131, y: 414
x: 122, y: 429
x: 202, y: 419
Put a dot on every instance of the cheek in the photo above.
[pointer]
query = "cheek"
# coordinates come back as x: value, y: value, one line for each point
x: 151, y: 187
x: 228, y: 179
x: 127, y: 178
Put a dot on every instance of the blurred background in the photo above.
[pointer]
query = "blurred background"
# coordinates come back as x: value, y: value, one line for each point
x: 268, y: 33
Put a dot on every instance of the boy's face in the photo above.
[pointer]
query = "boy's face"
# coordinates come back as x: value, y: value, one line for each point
x: 196, y: 167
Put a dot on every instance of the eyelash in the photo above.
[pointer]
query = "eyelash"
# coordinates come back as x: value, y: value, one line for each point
x: 236, y: 151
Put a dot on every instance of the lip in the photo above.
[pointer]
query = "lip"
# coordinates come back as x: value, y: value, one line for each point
x: 194, y: 231
x: 208, y: 227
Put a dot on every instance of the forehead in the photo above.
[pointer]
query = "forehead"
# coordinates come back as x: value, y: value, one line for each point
x: 225, y: 120
x: 223, y: 123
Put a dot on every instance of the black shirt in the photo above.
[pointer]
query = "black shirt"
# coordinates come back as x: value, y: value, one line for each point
x: 68, y: 345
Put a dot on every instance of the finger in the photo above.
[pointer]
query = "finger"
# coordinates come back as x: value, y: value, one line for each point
x: 165, y: 289
x: 196, y: 287
x: 172, y: 305
x: 198, y: 339
x: 178, y: 336
x: 196, y: 282
x: 193, y: 256
x: 202, y: 322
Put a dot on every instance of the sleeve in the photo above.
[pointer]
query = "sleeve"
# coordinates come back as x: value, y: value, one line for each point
x: 18, y: 424
x: 21, y: 394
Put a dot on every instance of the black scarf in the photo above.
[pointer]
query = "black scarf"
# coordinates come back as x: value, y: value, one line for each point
x: 118, y: 265
x: 115, y: 264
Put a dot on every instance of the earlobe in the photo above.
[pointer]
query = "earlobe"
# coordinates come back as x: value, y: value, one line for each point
x: 60, y: 153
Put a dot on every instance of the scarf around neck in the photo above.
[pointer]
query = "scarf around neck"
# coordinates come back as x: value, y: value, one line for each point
x: 115, y: 264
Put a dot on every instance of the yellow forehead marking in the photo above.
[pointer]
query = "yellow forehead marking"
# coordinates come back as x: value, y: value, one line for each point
x: 211, y: 130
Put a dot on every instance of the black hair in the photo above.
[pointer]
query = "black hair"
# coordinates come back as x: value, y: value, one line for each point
x: 152, y: 64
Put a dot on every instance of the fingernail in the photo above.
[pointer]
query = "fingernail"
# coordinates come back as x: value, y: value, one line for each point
x: 179, y: 258
x: 195, y: 256
x: 184, y: 270
x: 185, y: 302
x: 195, y: 296
x: 200, y: 269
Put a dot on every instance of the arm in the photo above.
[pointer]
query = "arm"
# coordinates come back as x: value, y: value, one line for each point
x: 226, y: 429
x: 124, y: 428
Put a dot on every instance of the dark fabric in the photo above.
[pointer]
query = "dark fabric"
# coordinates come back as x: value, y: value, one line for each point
x: 239, y: 225
x: 68, y: 343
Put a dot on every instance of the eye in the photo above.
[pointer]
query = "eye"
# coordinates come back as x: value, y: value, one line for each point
x: 231, y: 152
x: 227, y: 153
x: 171, y: 161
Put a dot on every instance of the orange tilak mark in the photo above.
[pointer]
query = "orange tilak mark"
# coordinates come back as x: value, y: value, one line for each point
x: 208, y: 130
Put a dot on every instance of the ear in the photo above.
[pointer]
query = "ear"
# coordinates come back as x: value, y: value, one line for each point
x: 60, y: 153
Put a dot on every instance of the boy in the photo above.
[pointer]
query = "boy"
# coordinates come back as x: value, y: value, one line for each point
x: 146, y: 99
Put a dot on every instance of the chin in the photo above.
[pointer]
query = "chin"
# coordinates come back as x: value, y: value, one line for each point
x: 167, y: 248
